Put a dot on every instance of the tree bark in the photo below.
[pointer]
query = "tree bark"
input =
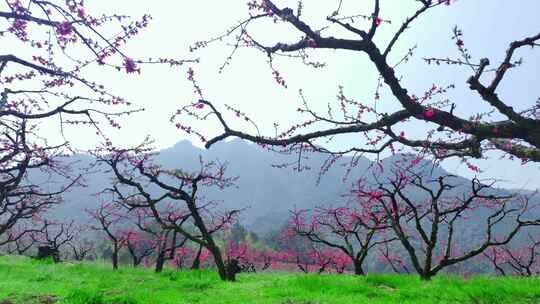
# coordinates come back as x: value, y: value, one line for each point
x: 227, y: 272
x: 115, y: 257
x: 358, y: 268
x: 197, y: 260
x: 160, y: 261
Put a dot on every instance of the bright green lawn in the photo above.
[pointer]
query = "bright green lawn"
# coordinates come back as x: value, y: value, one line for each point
x: 26, y: 281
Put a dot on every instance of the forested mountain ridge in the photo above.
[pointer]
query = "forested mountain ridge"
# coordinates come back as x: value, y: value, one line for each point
x: 265, y: 191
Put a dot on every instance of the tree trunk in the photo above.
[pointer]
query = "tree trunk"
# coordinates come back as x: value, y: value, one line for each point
x: 227, y: 272
x: 197, y: 260
x: 426, y: 276
x: 115, y: 257
x: 358, y: 268
x: 160, y: 261
x: 135, y: 260
x: 172, y: 251
x: 49, y: 252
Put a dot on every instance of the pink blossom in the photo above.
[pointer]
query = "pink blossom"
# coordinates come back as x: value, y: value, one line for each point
x: 64, y: 28
x: 375, y: 195
x: 80, y: 13
x: 428, y: 114
x: 130, y: 66
x: 473, y: 167
x: 18, y: 28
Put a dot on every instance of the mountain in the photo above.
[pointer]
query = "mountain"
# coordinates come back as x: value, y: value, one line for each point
x: 266, y: 191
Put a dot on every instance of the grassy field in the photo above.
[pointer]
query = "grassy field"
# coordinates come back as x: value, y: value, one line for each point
x: 25, y: 281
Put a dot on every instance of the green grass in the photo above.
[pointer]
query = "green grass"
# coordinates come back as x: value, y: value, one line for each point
x: 25, y: 281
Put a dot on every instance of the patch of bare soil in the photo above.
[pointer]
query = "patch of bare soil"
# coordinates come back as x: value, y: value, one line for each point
x: 44, y: 299
x: 48, y: 300
x: 387, y: 288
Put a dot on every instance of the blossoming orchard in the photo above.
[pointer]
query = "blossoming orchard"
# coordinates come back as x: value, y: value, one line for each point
x: 88, y: 96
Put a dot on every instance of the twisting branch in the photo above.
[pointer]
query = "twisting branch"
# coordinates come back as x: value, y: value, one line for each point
x: 135, y: 171
x: 452, y: 135
x: 428, y: 223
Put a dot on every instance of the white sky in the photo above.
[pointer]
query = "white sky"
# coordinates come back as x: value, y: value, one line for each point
x: 247, y: 84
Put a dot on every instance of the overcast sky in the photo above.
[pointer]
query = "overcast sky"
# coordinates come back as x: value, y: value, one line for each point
x: 488, y: 27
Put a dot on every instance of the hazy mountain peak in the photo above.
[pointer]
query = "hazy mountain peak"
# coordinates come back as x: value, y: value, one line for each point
x: 184, y: 144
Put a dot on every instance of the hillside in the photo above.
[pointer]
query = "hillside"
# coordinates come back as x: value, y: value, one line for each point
x: 267, y: 192
x: 28, y: 282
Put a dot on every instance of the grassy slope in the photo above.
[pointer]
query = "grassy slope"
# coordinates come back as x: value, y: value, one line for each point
x: 26, y: 281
